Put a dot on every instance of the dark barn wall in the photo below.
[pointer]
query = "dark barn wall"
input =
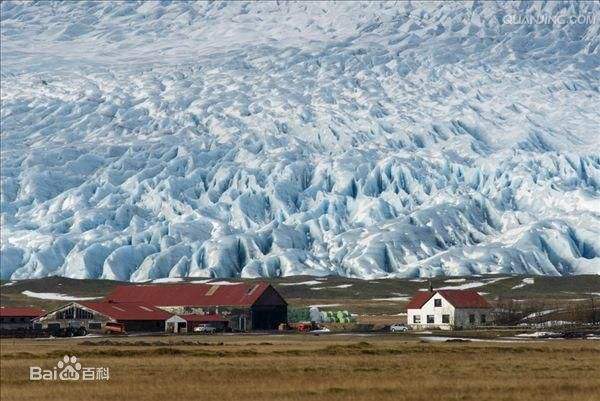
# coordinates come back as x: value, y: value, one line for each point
x: 143, y: 325
x: 268, y: 317
x: 269, y: 310
x: 15, y: 322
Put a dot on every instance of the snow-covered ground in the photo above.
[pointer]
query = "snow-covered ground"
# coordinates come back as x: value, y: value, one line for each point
x: 471, y: 285
x: 324, y: 288
x: 309, y: 282
x: 525, y: 282
x: 540, y: 314
x: 150, y: 140
x: 393, y: 299
x: 55, y: 296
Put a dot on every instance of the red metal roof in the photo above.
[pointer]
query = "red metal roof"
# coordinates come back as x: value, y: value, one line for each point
x: 21, y: 312
x: 190, y: 294
x: 458, y: 299
x: 203, y: 318
x: 419, y: 299
x: 127, y: 310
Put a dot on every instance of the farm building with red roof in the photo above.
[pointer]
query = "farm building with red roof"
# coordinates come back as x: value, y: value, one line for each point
x: 94, y: 315
x: 247, y: 306
x: 174, y: 307
x: 448, y: 309
x: 18, y: 318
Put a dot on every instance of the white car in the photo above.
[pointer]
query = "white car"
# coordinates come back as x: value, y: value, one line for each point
x: 205, y: 328
x: 398, y: 328
x: 322, y: 330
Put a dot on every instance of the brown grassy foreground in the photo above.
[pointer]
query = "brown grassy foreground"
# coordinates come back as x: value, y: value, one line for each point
x: 297, y: 367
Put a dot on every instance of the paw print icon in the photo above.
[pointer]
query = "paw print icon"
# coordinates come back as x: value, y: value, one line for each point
x: 69, y: 368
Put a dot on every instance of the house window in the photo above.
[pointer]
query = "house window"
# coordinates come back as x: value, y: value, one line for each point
x: 417, y: 319
x: 445, y: 318
x: 430, y: 319
x: 437, y: 302
x: 472, y: 319
x: 482, y: 318
x: 95, y: 325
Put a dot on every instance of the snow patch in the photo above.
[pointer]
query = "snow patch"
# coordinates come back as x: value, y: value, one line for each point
x: 525, y: 281
x: 55, y: 296
x: 310, y: 282
x: 392, y: 299
x: 455, y: 280
x: 474, y: 284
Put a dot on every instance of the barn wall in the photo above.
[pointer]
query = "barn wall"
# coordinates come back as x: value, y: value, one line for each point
x: 269, y: 310
x: 15, y: 322
x: 143, y: 325
x: 268, y: 317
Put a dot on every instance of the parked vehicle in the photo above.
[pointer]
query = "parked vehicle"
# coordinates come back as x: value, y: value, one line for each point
x: 320, y: 330
x: 114, y: 328
x: 70, y: 332
x: 305, y: 327
x: 205, y: 328
x: 398, y: 328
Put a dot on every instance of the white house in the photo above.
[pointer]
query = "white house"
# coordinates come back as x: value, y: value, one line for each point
x: 448, y: 309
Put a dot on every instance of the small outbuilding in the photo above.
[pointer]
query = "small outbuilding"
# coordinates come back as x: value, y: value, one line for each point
x: 18, y: 318
x: 448, y: 309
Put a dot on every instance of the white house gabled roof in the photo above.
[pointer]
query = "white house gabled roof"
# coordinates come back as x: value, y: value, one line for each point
x: 457, y: 298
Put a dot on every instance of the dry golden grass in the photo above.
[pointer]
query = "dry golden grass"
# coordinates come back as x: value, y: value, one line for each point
x: 296, y: 367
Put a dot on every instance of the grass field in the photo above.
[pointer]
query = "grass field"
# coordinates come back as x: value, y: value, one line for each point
x: 303, y: 367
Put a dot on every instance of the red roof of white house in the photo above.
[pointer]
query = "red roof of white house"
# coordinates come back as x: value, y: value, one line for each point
x: 126, y: 310
x: 21, y: 312
x: 458, y: 299
x: 241, y: 294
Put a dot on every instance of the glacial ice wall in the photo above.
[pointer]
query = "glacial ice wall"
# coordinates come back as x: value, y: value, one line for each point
x: 167, y: 139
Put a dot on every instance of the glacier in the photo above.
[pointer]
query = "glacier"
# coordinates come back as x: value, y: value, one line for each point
x: 149, y: 140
